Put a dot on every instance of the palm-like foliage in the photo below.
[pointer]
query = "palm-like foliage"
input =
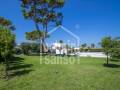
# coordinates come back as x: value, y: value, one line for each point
x: 36, y: 35
x: 84, y: 45
x: 42, y: 12
x: 6, y: 23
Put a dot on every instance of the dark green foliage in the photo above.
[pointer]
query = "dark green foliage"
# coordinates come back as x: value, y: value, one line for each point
x: 115, y: 53
x: 36, y: 35
x: 25, y: 48
x: 42, y: 11
x: 6, y: 23
x: 7, y: 42
x: 84, y: 45
x: 61, y: 41
x: 17, y: 50
x: 29, y: 48
x: 115, y: 50
x: 111, y: 47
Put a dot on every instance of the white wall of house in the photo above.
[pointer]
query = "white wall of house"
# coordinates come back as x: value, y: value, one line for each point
x: 59, y: 48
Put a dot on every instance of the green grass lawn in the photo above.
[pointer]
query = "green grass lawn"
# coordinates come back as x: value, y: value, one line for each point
x: 26, y: 73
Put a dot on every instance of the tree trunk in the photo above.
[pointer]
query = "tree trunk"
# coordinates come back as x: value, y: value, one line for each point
x: 107, y: 59
x: 39, y: 39
x: 37, y: 27
x: 43, y: 39
x: 6, y: 69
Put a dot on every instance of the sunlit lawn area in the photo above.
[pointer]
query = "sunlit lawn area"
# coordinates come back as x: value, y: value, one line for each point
x: 26, y: 73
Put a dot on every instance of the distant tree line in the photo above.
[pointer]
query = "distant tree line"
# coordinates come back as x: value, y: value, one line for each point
x: 90, y: 48
x: 28, y: 49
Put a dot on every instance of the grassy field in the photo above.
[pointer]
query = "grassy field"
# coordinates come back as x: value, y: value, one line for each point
x: 27, y: 73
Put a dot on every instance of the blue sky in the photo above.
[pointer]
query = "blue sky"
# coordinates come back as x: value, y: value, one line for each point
x: 91, y: 20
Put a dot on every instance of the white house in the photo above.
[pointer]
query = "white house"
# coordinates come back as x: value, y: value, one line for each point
x: 59, y: 48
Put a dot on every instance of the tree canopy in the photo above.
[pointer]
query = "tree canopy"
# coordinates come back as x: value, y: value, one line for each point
x: 7, y: 37
x: 42, y: 12
x: 6, y: 23
x: 36, y: 35
x: 7, y: 41
x: 111, y: 47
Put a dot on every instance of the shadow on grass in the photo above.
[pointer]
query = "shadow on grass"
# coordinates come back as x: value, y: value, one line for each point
x: 18, y: 67
x: 20, y: 73
x: 112, y: 65
x: 115, y: 60
x: 16, y: 60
